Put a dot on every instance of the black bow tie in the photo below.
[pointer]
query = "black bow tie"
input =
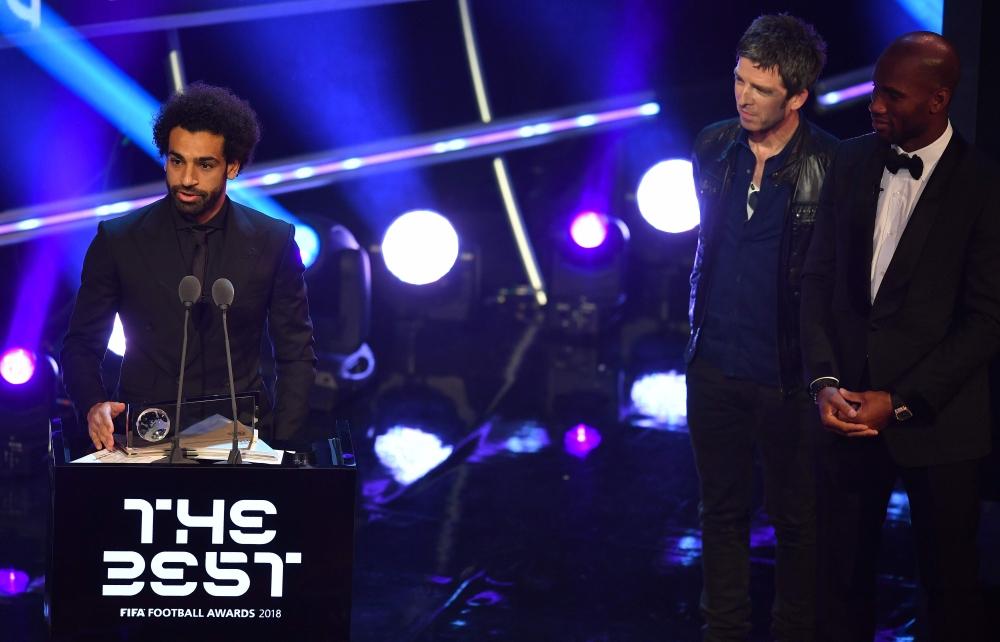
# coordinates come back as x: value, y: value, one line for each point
x: 894, y: 161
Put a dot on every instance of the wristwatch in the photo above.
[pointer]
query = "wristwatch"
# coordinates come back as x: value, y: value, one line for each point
x: 901, y: 411
x: 819, y: 384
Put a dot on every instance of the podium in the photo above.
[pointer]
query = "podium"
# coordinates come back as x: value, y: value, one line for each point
x: 202, y: 552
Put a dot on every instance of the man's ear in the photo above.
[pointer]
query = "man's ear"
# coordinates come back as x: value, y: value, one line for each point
x: 233, y: 170
x: 940, y: 100
x: 798, y: 100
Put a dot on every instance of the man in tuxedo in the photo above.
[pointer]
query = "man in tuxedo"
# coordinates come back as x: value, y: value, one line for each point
x: 758, y: 178
x: 135, y: 263
x: 900, y: 318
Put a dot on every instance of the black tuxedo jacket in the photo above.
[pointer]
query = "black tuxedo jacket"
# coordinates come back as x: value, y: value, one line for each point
x: 935, y: 323
x: 133, y: 267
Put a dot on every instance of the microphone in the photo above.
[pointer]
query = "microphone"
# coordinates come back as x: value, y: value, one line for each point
x: 189, y: 291
x: 222, y: 294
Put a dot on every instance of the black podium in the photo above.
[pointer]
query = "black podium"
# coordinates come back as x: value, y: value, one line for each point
x: 203, y: 552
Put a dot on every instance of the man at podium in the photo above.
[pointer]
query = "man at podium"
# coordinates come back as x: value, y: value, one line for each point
x: 135, y: 263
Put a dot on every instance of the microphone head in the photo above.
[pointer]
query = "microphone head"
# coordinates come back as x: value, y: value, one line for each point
x: 223, y: 293
x: 189, y: 290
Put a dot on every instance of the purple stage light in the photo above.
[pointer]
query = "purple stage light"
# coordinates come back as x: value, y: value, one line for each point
x: 845, y: 94
x: 589, y: 230
x: 17, y: 366
x: 581, y: 439
x: 13, y: 581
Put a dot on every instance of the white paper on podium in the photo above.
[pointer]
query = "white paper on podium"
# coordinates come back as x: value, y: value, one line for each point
x: 209, y: 439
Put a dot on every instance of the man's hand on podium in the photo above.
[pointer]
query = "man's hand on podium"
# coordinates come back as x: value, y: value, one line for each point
x: 99, y: 423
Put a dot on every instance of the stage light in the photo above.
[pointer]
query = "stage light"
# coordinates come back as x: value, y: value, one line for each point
x: 420, y: 247
x: 581, y: 439
x: 17, y: 366
x: 666, y: 196
x: 589, y: 230
x: 929, y: 14
x: 13, y: 581
x: 845, y: 94
x: 661, y: 396
x: 308, y: 241
x: 117, y: 342
x: 410, y: 453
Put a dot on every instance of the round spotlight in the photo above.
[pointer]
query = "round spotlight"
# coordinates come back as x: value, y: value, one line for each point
x: 308, y: 241
x: 17, y: 366
x: 116, y: 343
x: 589, y: 230
x: 667, y: 197
x: 420, y: 247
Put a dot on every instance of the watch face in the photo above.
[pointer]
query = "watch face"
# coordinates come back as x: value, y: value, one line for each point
x: 902, y: 413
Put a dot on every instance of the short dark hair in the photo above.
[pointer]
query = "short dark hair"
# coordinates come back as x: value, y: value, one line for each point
x: 206, y: 108
x: 788, y: 43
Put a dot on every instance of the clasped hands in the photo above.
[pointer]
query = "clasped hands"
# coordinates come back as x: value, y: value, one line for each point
x: 854, y: 414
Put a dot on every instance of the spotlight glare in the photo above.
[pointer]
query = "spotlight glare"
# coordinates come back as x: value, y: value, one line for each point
x: 410, y: 453
x: 581, y: 439
x: 17, y: 366
x: 304, y: 172
x: 662, y: 396
x: 667, y: 198
x: 589, y: 230
x: 308, y: 241
x: 117, y: 342
x: 13, y: 581
x: 420, y: 247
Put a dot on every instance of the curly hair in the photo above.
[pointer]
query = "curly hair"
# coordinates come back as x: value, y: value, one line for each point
x: 788, y: 44
x: 206, y: 108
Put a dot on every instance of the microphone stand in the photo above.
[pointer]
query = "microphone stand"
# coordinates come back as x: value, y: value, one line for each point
x: 176, y: 452
x: 234, y: 453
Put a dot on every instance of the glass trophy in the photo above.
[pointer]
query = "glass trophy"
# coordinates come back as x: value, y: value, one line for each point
x: 151, y: 425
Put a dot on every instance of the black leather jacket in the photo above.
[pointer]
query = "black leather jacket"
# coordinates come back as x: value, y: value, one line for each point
x: 804, y: 168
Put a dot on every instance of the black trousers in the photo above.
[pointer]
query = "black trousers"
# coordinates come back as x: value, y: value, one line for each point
x: 856, y: 480
x: 729, y: 421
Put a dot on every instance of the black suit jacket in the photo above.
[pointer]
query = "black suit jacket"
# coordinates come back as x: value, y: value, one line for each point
x: 133, y: 267
x: 935, y: 323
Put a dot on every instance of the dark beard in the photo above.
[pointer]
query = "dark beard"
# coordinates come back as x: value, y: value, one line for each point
x: 194, y: 211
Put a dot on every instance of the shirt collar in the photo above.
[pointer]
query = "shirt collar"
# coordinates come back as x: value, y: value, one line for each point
x: 931, y: 154
x: 217, y: 222
x: 744, y: 139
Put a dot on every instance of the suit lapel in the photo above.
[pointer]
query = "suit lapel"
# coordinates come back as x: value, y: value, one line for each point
x: 907, y: 255
x: 240, y: 250
x: 156, y: 244
x: 862, y: 223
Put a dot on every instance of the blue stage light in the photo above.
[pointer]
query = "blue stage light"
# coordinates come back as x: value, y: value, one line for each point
x: 667, y: 198
x: 89, y: 74
x: 420, y: 247
x: 928, y: 13
x: 410, y: 453
x: 661, y: 396
x: 117, y: 342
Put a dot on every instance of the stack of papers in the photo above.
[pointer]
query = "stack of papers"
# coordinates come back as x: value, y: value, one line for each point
x: 209, y: 439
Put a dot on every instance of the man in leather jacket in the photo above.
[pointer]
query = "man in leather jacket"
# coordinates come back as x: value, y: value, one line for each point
x: 758, y: 179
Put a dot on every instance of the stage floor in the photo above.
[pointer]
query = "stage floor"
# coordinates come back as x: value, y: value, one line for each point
x: 511, y: 489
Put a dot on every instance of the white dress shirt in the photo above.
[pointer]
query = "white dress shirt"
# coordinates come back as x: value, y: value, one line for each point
x: 897, y: 198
